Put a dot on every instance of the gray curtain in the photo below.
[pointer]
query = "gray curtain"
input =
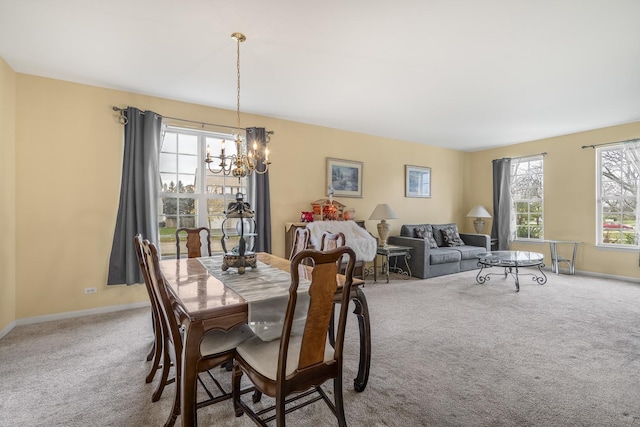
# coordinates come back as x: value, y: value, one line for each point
x: 259, y: 193
x: 501, y: 229
x: 138, y: 209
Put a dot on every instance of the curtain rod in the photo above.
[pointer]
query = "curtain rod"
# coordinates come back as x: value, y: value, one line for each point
x: 544, y: 153
x: 122, y: 110
x: 608, y: 143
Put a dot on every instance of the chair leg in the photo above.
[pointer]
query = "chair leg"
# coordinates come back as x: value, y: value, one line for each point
x: 175, y: 409
x: 280, y: 409
x: 152, y: 350
x: 339, y: 401
x: 166, y: 366
x: 156, y: 348
x: 157, y: 355
x: 236, y: 377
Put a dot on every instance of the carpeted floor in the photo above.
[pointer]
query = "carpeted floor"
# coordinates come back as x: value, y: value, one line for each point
x: 446, y: 352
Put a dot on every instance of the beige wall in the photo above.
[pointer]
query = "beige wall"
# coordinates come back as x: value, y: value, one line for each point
x: 68, y: 160
x: 569, y: 194
x: 7, y: 195
x: 66, y: 174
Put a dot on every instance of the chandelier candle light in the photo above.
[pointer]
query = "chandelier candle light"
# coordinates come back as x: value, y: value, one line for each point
x: 383, y: 212
x: 478, y: 212
x: 247, y: 160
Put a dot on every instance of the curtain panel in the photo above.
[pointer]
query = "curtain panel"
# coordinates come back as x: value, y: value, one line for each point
x: 259, y: 194
x: 138, y: 207
x: 502, y: 206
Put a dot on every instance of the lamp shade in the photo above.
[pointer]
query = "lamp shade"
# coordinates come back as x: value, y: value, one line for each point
x: 383, y: 211
x: 478, y: 211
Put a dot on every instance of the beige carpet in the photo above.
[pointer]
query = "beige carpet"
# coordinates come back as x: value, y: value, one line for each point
x: 446, y: 352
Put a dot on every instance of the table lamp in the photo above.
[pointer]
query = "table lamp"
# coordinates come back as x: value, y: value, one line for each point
x: 478, y: 212
x: 383, y: 212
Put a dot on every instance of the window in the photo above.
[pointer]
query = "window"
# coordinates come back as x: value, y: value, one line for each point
x: 527, y: 194
x: 616, y: 198
x: 191, y: 196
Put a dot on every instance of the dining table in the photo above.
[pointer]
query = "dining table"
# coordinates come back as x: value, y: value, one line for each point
x: 203, y: 302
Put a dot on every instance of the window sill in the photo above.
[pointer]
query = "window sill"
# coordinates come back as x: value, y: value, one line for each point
x: 618, y: 248
x: 530, y: 241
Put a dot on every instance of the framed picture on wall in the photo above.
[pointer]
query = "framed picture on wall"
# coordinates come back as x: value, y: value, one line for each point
x: 417, y: 181
x: 344, y: 178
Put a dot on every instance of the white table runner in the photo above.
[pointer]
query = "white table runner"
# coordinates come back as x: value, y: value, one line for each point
x: 266, y: 290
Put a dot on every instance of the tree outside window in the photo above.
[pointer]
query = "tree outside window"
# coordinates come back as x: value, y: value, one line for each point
x: 616, y: 198
x: 527, y: 194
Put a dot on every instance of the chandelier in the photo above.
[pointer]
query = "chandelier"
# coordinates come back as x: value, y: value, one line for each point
x: 248, y: 159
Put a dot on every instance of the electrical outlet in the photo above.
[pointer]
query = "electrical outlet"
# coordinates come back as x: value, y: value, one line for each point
x: 90, y: 290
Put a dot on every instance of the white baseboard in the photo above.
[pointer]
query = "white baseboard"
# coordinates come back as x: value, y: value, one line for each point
x: 608, y: 276
x: 71, y: 314
x: 605, y: 276
x: 7, y: 329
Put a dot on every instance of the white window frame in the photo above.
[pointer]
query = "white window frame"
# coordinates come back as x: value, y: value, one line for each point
x: 600, y: 215
x: 204, y: 192
x: 514, y: 226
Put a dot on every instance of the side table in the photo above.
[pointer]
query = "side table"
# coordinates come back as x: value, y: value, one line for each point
x: 556, y: 258
x: 392, y: 251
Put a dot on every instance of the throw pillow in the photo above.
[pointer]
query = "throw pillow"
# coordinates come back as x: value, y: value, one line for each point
x: 430, y: 238
x: 451, y: 236
x: 427, y: 234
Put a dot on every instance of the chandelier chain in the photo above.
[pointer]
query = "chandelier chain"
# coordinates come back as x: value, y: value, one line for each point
x: 238, y: 77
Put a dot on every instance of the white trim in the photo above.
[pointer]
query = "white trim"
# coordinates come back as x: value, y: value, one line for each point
x: 7, y: 329
x: 608, y: 276
x: 80, y: 313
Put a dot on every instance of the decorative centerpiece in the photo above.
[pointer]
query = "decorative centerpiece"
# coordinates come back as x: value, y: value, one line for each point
x: 306, y: 216
x: 327, y: 209
x: 243, y: 255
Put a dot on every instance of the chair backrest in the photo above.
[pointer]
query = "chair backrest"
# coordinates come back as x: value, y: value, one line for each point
x: 300, y: 241
x: 324, y: 283
x: 169, y: 321
x: 196, y: 239
x: 332, y: 240
x: 156, y: 312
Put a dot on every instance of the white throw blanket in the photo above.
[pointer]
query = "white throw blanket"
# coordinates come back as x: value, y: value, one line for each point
x: 356, y: 237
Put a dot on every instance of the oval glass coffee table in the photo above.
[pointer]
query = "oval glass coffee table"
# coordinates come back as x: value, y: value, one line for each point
x: 511, y: 261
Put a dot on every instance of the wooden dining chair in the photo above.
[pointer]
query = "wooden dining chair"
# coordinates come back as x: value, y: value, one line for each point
x: 331, y: 240
x: 196, y: 239
x: 300, y: 363
x: 155, y: 354
x: 300, y: 241
x: 216, y: 348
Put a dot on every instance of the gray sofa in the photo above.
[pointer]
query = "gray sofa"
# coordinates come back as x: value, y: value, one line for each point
x: 428, y: 262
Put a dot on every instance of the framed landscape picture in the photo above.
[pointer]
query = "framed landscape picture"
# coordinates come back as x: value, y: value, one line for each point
x: 417, y: 181
x: 344, y: 177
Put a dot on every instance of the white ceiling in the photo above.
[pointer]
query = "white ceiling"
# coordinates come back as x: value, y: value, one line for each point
x: 463, y: 74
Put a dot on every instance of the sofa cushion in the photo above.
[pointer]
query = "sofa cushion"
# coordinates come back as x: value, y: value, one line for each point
x: 437, y: 232
x: 409, y: 230
x: 469, y: 252
x: 451, y: 237
x: 426, y: 232
x: 444, y: 255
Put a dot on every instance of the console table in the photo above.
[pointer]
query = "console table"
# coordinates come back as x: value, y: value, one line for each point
x: 392, y: 251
